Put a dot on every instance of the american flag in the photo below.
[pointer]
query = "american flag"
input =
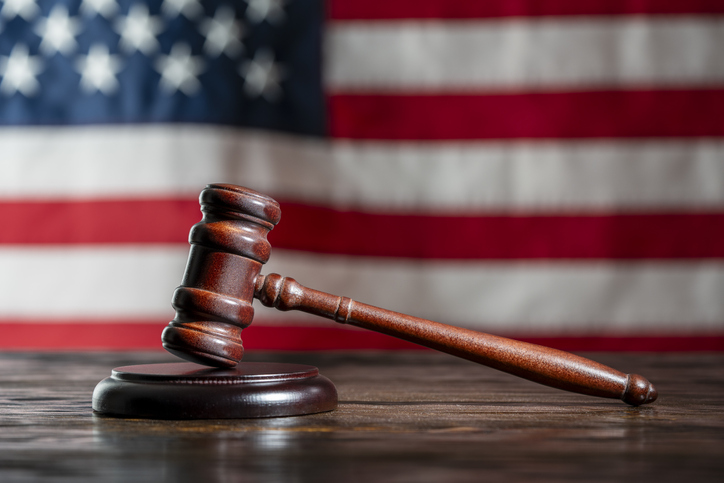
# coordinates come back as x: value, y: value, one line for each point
x: 550, y: 170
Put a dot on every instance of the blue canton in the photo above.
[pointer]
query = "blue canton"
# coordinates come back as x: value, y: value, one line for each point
x: 254, y: 63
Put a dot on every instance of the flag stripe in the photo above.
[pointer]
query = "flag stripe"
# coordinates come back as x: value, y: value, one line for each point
x: 98, y: 221
x: 551, y: 54
x: 550, y: 115
x: 104, y: 335
x: 445, y: 9
x: 503, y: 237
x: 324, y: 230
x: 101, y: 162
x: 58, y: 282
x: 530, y: 298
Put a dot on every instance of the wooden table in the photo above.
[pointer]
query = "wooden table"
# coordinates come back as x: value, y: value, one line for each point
x: 417, y: 417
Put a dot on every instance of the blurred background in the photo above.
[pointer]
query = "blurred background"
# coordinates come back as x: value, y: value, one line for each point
x: 548, y: 170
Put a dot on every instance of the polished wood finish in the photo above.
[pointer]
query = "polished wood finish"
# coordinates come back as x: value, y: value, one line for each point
x: 185, y: 390
x: 544, y: 365
x: 222, y: 276
x: 228, y: 248
x: 416, y: 416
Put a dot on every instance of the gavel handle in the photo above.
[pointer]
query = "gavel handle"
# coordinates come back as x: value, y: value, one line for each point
x: 544, y: 365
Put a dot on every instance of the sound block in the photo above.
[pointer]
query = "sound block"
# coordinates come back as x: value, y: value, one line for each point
x: 185, y: 390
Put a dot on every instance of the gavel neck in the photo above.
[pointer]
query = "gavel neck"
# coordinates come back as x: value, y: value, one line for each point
x: 285, y: 293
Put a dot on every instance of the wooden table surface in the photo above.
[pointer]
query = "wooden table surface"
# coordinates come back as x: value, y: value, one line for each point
x: 416, y: 416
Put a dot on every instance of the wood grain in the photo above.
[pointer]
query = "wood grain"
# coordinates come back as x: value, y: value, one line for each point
x: 422, y: 417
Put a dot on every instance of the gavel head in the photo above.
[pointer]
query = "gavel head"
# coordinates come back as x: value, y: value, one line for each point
x: 228, y: 248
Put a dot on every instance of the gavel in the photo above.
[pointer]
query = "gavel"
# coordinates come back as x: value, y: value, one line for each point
x: 214, y: 304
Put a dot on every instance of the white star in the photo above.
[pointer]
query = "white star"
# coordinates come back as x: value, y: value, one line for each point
x: 191, y: 9
x: 138, y: 30
x: 25, y: 8
x: 58, y: 32
x: 19, y: 71
x: 106, y: 8
x: 98, y: 70
x: 262, y: 76
x: 222, y: 33
x: 179, y: 70
x: 260, y: 10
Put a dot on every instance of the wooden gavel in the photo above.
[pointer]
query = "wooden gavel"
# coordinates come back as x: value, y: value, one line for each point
x: 214, y: 303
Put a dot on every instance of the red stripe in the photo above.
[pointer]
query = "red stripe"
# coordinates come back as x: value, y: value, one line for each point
x: 98, y: 221
x: 624, y: 236
x: 103, y: 335
x: 324, y: 230
x: 89, y: 335
x: 448, y: 9
x: 541, y: 115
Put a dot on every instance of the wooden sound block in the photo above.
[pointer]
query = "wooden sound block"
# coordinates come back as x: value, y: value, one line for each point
x: 186, y: 390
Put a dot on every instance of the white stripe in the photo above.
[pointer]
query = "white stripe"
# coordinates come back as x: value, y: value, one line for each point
x: 89, y: 281
x: 532, y: 54
x: 61, y: 283
x: 123, y: 161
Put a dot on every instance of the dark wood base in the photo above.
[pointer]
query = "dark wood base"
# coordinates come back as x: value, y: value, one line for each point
x: 191, y: 391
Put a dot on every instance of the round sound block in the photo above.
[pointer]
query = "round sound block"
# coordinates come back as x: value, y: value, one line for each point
x: 190, y: 391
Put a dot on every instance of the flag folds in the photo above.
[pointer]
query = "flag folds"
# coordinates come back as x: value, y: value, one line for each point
x: 546, y: 170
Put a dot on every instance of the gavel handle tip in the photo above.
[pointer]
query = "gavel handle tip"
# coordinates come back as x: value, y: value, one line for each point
x: 639, y: 391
